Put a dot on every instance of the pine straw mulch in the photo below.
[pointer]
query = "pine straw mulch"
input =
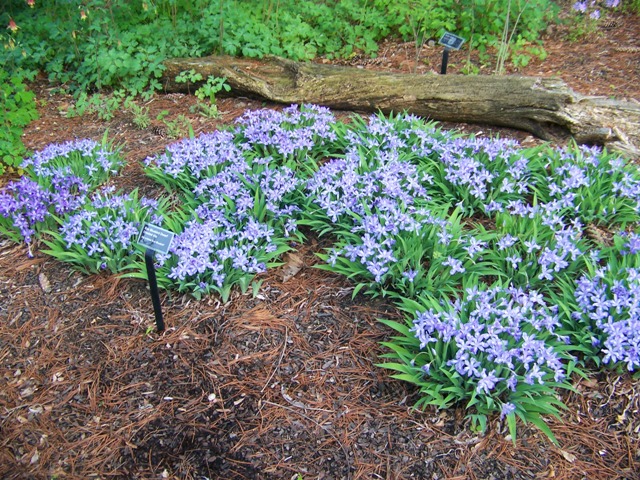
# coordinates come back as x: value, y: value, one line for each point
x: 269, y: 387
x: 263, y: 387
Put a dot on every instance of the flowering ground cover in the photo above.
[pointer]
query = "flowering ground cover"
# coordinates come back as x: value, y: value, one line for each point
x: 497, y: 319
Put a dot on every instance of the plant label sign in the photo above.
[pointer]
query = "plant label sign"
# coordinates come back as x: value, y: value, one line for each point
x: 156, y: 238
x: 451, y: 41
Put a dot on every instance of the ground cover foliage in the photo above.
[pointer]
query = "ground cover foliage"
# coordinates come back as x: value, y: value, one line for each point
x: 516, y: 269
x: 88, y: 45
x: 121, y: 44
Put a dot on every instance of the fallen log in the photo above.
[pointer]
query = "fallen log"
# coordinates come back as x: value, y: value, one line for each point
x: 545, y: 107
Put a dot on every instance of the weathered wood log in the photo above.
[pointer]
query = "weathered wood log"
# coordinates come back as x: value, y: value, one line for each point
x: 546, y: 107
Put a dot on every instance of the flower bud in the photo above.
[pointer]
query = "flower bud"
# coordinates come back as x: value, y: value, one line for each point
x: 12, y: 25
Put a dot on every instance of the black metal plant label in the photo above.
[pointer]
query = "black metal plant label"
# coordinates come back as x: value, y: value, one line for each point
x: 155, y: 239
x: 451, y: 41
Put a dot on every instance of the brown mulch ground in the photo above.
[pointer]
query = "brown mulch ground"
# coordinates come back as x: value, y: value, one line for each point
x: 277, y: 385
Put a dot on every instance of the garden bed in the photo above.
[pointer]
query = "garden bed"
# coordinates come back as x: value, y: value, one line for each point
x: 267, y: 386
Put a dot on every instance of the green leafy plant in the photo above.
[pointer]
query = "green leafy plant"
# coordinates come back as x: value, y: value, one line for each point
x: 485, y: 25
x: 524, y: 52
x: 178, y: 127
x: 420, y: 20
x: 102, y: 105
x: 206, y: 95
x: 17, y: 110
x: 116, y: 44
x: 189, y: 77
x: 140, y: 114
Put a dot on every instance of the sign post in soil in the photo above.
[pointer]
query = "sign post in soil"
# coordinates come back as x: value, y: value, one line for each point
x: 155, y: 239
x: 450, y: 42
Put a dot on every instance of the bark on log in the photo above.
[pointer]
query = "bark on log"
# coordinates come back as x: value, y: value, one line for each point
x: 546, y: 107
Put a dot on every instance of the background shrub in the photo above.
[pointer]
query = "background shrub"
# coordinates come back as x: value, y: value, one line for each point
x: 121, y: 44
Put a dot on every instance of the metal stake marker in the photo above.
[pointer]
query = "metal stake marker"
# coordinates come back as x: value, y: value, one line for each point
x: 155, y: 239
x: 445, y: 60
x: 153, y: 286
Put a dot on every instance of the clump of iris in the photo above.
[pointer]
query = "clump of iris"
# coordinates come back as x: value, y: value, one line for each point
x: 588, y: 184
x: 238, y: 218
x: 87, y: 159
x: 57, y: 181
x: 497, y: 349
x: 292, y: 135
x: 103, y: 234
x: 533, y: 252
x: 602, y: 306
x: 594, y: 9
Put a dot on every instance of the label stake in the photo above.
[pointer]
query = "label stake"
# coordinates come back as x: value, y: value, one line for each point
x: 153, y: 286
x: 445, y: 60
x: 450, y: 42
x: 155, y: 239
